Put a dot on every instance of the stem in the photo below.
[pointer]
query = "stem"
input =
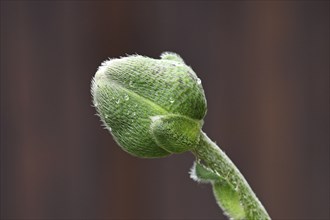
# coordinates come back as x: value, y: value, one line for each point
x: 213, y: 157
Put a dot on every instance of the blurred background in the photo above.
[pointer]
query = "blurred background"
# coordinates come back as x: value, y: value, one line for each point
x: 265, y: 70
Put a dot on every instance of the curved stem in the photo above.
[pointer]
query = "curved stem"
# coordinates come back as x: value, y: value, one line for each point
x: 209, y: 154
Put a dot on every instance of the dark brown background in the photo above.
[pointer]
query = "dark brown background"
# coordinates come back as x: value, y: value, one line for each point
x: 265, y: 71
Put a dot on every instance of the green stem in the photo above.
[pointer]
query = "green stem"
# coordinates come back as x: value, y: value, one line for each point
x: 209, y: 154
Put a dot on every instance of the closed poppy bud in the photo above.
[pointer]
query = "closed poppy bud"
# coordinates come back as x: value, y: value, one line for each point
x: 152, y: 107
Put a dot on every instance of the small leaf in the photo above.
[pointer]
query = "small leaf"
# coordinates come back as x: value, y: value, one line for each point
x: 201, y: 173
x: 228, y: 198
x: 226, y: 195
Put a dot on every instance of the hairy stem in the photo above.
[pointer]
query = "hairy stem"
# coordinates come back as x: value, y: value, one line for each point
x: 210, y: 155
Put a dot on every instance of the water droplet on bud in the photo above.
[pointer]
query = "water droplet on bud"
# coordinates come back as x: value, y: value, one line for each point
x: 199, y: 81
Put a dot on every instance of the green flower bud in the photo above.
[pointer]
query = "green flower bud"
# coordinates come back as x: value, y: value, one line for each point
x: 152, y: 107
x: 155, y: 107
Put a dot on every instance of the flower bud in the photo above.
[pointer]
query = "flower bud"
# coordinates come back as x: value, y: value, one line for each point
x: 152, y: 107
